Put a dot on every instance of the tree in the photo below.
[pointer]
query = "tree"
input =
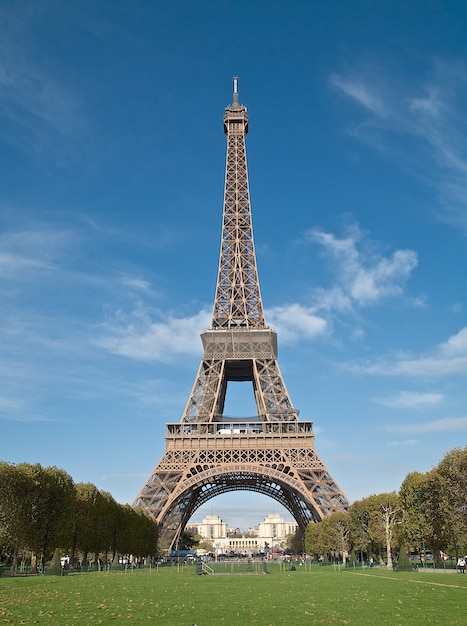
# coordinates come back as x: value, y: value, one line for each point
x: 202, y: 543
x: 334, y: 536
x: 312, y: 532
x: 110, y: 524
x: 187, y: 540
x: 340, y: 523
x: 417, y: 525
x: 359, y: 527
x: 16, y: 494
x: 294, y: 541
x: 50, y: 509
x: 448, y: 495
x: 81, y: 537
x: 386, y: 514
x: 144, y: 534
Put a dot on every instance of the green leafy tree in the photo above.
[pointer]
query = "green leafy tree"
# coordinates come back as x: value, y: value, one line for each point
x: 51, y: 506
x: 204, y: 544
x: 109, y: 509
x: 187, y: 540
x: 417, y: 530
x: 312, y: 533
x: 16, y: 495
x: 82, y: 531
x: 360, y: 528
x: 138, y: 534
x: 334, y: 535
x: 144, y: 534
x: 95, y: 525
x: 447, y: 496
x: 294, y: 541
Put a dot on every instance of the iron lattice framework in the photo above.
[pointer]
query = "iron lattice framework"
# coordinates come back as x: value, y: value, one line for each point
x: 207, y: 453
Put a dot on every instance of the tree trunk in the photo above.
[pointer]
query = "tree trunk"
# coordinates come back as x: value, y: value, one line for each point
x: 14, y: 564
x: 388, y: 544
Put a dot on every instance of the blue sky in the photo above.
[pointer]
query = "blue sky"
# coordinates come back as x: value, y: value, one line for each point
x: 111, y: 186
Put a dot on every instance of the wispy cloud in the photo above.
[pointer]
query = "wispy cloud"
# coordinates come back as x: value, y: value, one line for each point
x: 37, y: 105
x: 448, y: 424
x: 140, y: 337
x: 429, y: 112
x: 23, y: 251
x: 361, y: 92
x: 17, y: 409
x: 135, y: 283
x: 411, y: 400
x: 406, y: 442
x: 364, y: 276
x: 446, y: 359
x: 14, y: 264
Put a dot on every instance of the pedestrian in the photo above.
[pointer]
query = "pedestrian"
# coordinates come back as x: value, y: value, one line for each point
x: 461, y: 565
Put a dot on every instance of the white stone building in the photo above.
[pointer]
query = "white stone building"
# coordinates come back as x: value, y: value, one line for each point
x: 211, y: 528
x: 271, y: 534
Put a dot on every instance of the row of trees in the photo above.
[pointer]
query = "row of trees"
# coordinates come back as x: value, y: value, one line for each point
x: 42, y: 509
x: 428, y: 513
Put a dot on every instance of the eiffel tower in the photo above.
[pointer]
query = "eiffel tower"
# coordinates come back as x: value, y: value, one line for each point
x: 208, y: 453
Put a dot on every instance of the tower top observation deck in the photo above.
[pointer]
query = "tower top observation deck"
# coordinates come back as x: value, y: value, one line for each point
x: 235, y: 118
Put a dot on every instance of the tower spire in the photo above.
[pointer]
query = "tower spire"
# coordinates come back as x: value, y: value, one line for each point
x: 238, y: 298
x: 235, y: 90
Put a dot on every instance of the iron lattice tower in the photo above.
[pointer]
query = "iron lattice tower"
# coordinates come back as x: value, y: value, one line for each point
x: 208, y: 453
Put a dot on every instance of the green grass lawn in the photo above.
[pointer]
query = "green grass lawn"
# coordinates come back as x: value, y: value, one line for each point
x: 177, y: 596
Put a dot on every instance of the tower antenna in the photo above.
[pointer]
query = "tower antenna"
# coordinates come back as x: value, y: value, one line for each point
x: 235, y: 90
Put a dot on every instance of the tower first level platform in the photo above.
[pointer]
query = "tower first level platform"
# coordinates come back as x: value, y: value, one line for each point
x: 205, y: 459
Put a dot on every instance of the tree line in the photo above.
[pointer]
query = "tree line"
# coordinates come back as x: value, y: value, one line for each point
x: 42, y: 510
x: 428, y: 513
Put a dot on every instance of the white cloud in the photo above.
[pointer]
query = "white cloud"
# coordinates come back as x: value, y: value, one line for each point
x: 364, y: 277
x: 295, y: 321
x: 455, y: 346
x: 332, y: 299
x: 139, y: 337
x: 411, y: 400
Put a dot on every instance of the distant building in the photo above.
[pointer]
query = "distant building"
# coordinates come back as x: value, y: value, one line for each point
x: 212, y: 528
x: 274, y: 527
x: 270, y: 534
